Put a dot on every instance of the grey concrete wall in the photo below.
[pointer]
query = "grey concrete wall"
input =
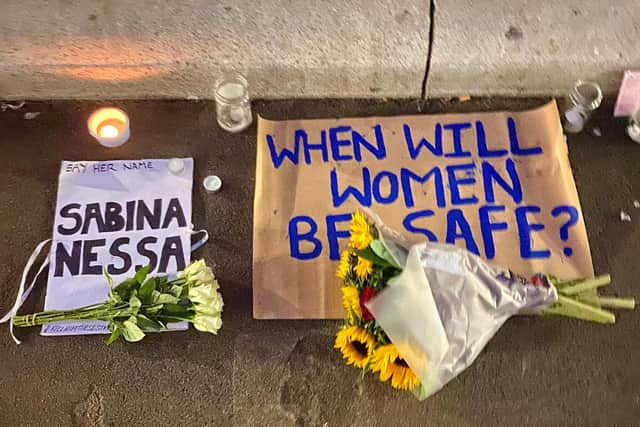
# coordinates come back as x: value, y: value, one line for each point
x: 299, y: 48
x: 177, y: 48
x: 527, y: 47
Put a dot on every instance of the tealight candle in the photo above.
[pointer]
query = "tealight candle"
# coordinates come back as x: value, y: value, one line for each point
x: 176, y: 166
x: 212, y: 183
x: 109, y: 126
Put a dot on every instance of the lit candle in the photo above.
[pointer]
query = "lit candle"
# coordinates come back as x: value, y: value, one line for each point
x: 109, y: 126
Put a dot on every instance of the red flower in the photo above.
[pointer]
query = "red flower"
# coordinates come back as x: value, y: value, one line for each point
x: 366, y: 295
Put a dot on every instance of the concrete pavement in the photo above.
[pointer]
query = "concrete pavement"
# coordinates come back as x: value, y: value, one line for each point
x: 536, y: 371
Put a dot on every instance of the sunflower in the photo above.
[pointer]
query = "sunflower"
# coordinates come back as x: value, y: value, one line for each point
x: 390, y: 364
x: 351, y: 302
x: 356, y: 345
x: 360, y: 231
x: 344, y: 268
x: 363, y: 268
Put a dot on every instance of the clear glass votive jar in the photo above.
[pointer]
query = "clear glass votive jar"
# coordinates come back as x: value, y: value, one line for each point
x: 233, y: 106
x: 633, y: 128
x: 584, y: 99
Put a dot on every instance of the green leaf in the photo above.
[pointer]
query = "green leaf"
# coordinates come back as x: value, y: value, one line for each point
x: 162, y: 284
x: 175, y: 309
x: 112, y: 295
x: 176, y: 291
x: 369, y: 255
x: 380, y: 250
x: 117, y: 333
x: 146, y: 290
x: 147, y: 324
x: 142, y: 274
x: 125, y: 288
x: 131, y: 332
x: 154, y: 296
x: 165, y: 299
x: 158, y: 298
x: 134, y: 302
x: 153, y: 309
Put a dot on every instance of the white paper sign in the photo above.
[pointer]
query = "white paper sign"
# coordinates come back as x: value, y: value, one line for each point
x: 122, y: 215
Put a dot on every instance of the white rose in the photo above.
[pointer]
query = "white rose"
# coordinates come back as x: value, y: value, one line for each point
x: 193, y: 268
x: 202, y: 294
x: 206, y: 310
x: 205, y: 323
x: 217, y: 302
x: 202, y: 277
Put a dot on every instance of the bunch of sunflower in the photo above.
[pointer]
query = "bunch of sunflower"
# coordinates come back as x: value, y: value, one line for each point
x: 365, y: 272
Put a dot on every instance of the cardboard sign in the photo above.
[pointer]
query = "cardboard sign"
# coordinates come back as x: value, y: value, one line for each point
x: 120, y: 216
x: 498, y: 184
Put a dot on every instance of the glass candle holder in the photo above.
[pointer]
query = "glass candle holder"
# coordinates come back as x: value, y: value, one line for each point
x: 109, y: 126
x: 633, y: 129
x: 233, y: 106
x: 584, y: 99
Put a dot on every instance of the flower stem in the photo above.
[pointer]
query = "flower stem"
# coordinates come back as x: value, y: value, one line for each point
x: 567, y: 306
x: 98, y: 312
x: 585, y: 285
x: 174, y: 318
x: 627, y: 303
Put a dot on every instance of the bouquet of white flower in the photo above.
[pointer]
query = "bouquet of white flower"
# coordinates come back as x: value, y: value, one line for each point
x: 141, y: 304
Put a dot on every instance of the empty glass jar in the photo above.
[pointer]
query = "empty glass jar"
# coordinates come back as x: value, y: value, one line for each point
x: 584, y: 99
x: 233, y: 106
x: 633, y: 129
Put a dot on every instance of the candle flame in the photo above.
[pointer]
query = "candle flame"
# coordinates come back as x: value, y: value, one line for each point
x: 108, y: 131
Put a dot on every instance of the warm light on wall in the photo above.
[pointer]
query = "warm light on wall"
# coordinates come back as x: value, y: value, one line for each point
x: 101, y: 57
x: 109, y: 126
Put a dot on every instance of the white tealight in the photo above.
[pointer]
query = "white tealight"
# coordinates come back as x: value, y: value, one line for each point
x: 212, y: 183
x: 236, y: 114
x: 176, y: 166
x: 574, y: 121
x: 109, y: 126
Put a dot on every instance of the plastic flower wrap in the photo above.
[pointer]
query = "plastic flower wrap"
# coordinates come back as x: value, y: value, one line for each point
x: 143, y: 304
x: 418, y: 315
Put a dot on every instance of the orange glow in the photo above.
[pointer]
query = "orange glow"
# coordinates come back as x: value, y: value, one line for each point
x: 111, y: 72
x: 108, y: 123
x: 105, y: 58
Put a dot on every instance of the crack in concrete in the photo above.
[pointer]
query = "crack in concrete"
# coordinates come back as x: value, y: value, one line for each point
x: 427, y: 68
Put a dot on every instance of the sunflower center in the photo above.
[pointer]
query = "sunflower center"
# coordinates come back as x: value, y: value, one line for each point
x: 400, y: 362
x: 360, y: 347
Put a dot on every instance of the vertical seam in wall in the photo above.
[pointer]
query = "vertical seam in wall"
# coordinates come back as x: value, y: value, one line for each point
x: 427, y: 68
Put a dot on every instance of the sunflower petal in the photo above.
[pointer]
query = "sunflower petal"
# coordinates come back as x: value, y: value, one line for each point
x: 360, y: 231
